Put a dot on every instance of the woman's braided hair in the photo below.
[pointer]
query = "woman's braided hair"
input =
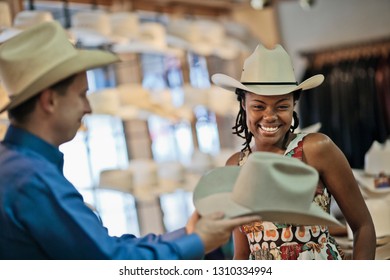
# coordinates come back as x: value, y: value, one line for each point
x: 241, y: 129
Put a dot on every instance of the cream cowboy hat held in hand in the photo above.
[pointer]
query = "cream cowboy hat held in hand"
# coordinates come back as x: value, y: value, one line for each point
x: 267, y: 72
x: 278, y: 188
x: 40, y: 57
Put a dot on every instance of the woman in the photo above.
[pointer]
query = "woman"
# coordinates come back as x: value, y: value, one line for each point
x: 267, y: 94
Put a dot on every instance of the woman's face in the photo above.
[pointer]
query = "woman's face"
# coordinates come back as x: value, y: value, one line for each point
x: 269, y: 117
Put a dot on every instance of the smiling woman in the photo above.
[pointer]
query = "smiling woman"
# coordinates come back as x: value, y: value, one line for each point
x: 267, y: 94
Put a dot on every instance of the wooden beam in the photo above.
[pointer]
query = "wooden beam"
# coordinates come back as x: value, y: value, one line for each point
x: 188, y: 7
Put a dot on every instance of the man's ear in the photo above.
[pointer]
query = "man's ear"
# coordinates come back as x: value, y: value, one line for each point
x: 46, y: 100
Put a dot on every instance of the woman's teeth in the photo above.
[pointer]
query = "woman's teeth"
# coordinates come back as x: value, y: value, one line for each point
x: 269, y: 129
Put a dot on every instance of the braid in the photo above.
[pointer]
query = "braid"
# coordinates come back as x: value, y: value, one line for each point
x: 296, y: 95
x: 296, y: 122
x: 240, y: 128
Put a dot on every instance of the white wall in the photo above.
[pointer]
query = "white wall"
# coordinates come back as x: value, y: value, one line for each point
x: 330, y: 23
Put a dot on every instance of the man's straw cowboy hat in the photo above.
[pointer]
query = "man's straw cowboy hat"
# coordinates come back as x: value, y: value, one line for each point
x: 40, y: 57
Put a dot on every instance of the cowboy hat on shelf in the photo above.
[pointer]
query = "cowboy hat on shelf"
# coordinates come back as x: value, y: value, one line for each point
x: 23, y: 20
x: 164, y: 97
x: 52, y: 56
x: 125, y: 24
x: 278, y: 188
x: 116, y: 179
x: 5, y: 15
x: 134, y: 94
x: 133, y: 101
x: 148, y: 182
x: 366, y: 182
x: 267, y: 72
x: 376, y: 165
x: 150, y: 38
x: 203, y: 37
x: 172, y: 175
x: 221, y: 101
x: 92, y: 29
x: 109, y: 101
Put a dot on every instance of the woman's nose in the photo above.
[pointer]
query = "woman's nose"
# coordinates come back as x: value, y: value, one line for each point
x: 270, y: 115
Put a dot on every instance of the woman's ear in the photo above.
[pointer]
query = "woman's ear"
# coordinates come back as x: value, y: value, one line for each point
x: 243, y: 104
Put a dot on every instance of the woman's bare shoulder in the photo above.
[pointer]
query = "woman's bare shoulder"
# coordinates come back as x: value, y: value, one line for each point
x: 319, y: 150
x: 317, y: 142
x: 234, y: 159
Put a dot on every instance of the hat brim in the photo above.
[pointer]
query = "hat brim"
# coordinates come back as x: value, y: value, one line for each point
x: 144, y: 48
x: 9, y: 33
x: 223, y: 202
x: 84, y: 60
x: 214, y: 194
x: 231, y: 84
x: 92, y: 38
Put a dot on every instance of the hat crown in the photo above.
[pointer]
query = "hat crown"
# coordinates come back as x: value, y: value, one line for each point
x: 41, y: 48
x: 95, y: 20
x: 40, y: 57
x: 288, y: 182
x: 268, y: 66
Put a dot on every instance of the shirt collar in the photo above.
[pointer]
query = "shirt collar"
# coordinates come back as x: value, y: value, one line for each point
x: 21, y: 137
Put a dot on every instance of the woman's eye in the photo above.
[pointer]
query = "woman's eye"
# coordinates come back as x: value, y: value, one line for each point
x: 258, y: 107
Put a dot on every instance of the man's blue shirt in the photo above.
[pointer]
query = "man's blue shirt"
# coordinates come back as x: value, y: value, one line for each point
x: 43, y: 216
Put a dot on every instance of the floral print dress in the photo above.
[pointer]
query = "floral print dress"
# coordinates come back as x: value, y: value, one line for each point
x: 268, y: 240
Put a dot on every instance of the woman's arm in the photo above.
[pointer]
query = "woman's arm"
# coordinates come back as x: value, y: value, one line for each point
x: 335, y: 171
x: 241, y: 245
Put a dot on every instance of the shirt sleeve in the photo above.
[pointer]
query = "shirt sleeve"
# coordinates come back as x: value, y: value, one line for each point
x: 54, y: 213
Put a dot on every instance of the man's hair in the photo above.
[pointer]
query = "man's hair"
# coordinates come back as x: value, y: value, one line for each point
x: 241, y: 129
x: 21, y: 113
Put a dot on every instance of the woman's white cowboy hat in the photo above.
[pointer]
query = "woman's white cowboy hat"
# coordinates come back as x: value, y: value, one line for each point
x: 267, y: 72
x: 40, y: 57
x: 278, y: 188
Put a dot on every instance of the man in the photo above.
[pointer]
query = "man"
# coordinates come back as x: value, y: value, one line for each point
x: 42, y: 215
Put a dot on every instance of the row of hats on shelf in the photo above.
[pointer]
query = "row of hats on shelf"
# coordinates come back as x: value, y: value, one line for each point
x: 132, y: 100
x: 126, y: 33
x: 146, y: 178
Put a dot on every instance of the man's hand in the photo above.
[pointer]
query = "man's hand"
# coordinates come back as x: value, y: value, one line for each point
x: 213, y: 229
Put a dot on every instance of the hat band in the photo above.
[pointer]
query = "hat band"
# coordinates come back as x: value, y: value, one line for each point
x: 270, y: 83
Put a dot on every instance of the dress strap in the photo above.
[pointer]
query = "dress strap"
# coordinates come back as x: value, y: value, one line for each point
x: 294, y: 143
x: 243, y: 156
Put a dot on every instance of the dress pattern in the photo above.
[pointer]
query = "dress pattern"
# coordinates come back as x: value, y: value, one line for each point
x: 275, y: 241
